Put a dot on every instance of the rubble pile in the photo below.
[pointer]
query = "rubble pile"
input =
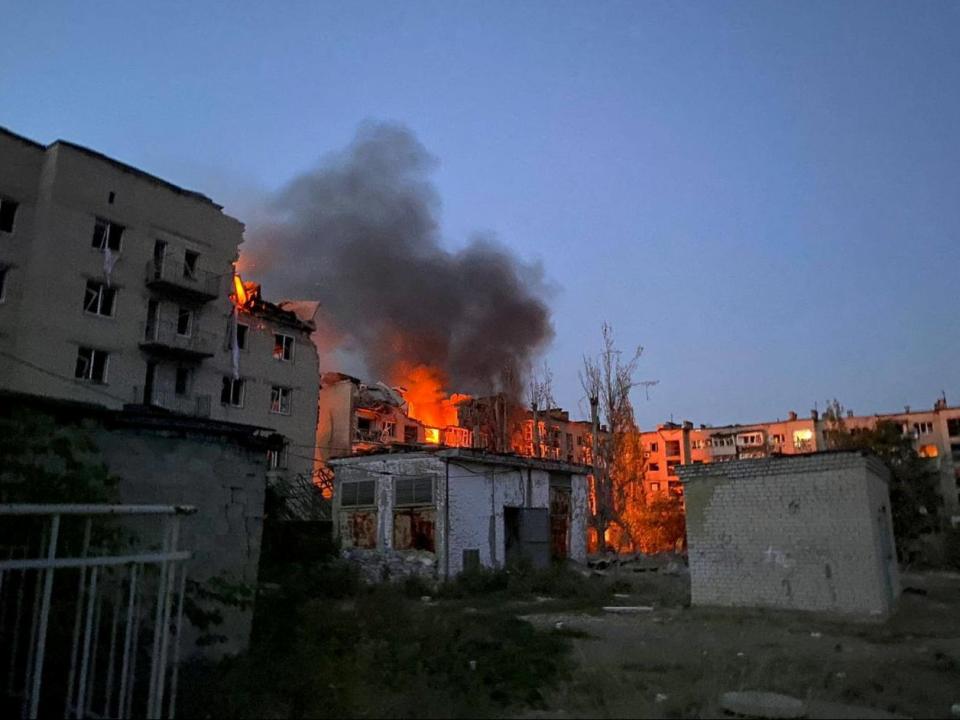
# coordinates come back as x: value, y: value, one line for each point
x: 392, y: 565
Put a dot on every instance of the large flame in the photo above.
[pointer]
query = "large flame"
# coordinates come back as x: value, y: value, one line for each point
x: 427, y: 401
x: 239, y: 291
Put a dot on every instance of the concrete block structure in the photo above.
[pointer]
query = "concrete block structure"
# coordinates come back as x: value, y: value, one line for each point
x: 807, y: 532
x: 456, y: 507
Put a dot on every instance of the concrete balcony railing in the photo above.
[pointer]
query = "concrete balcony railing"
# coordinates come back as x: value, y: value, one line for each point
x: 193, y: 405
x: 180, y: 280
x: 162, y: 338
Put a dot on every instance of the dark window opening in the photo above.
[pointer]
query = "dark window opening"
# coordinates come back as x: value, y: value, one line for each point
x: 8, y: 213
x: 184, y: 321
x: 99, y: 299
x: 242, y: 336
x: 231, y: 393
x: 111, y: 197
x: 91, y: 365
x: 182, y: 380
x: 190, y: 264
x: 673, y: 448
x: 107, y: 235
x: 410, y: 434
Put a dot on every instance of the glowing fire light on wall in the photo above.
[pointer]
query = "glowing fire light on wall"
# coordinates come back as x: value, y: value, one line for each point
x: 422, y: 387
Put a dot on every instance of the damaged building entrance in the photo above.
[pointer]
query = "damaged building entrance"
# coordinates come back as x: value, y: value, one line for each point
x: 527, y: 536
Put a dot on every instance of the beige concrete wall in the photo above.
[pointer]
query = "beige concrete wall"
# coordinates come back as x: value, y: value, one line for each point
x: 804, y: 533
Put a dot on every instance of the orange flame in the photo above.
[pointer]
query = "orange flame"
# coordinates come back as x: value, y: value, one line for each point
x: 239, y: 291
x: 422, y: 387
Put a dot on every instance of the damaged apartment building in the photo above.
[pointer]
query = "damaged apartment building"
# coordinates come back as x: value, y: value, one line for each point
x: 116, y: 311
x: 354, y: 418
x: 437, y: 512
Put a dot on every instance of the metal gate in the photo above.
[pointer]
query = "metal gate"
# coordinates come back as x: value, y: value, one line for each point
x: 91, y: 609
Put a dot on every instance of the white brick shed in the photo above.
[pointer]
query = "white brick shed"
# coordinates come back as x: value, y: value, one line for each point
x: 806, y: 532
x: 452, y: 507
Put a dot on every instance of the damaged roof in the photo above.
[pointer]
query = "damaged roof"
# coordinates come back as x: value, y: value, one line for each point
x: 473, y: 455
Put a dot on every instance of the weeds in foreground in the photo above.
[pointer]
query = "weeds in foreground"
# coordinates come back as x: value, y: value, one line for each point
x: 325, y: 646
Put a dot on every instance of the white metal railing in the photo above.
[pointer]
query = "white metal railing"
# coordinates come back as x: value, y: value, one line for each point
x: 79, y: 608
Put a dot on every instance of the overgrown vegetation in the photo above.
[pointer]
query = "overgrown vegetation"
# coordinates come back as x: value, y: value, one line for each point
x: 914, y: 483
x: 43, y: 461
x: 326, y: 646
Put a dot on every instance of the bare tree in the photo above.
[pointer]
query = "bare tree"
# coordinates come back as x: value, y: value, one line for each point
x: 607, y: 380
x: 540, y: 395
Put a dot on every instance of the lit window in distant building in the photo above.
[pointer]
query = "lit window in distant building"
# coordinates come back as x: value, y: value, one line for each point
x: 802, y: 439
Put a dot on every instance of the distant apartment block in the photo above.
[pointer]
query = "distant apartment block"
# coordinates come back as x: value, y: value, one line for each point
x: 115, y: 289
x: 935, y: 435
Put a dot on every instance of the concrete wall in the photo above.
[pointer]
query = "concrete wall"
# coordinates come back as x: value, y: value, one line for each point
x: 224, y: 480
x: 807, y: 533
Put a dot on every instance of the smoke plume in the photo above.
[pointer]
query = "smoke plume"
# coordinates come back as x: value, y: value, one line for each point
x: 360, y: 234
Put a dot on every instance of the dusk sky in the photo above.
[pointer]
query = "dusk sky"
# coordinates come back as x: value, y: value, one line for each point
x: 765, y: 195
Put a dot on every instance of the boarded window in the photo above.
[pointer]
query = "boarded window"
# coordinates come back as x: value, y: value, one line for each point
x: 357, y: 493
x: 358, y: 528
x: 413, y: 529
x: 413, y: 491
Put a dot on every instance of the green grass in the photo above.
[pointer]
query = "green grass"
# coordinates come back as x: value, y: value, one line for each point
x: 325, y: 646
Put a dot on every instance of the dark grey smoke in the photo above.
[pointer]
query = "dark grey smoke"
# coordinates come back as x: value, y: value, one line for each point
x: 360, y: 234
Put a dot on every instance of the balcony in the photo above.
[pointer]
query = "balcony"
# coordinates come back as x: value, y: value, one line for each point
x: 193, y: 405
x: 178, y: 280
x: 162, y: 339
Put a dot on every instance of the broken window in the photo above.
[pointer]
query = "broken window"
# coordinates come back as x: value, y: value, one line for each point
x: 232, y: 391
x: 413, y: 491
x: 673, y: 448
x: 357, y: 493
x: 654, y: 467
x: 410, y: 434
x: 8, y: 213
x: 414, y: 529
x: 190, y: 264
x: 106, y: 235
x: 282, y: 347
x: 242, y: 336
x: 277, y: 459
x: 280, y: 400
x: 99, y: 299
x: 182, y: 381
x: 389, y: 430
x: 953, y: 426
x: 91, y: 365
x: 184, y: 321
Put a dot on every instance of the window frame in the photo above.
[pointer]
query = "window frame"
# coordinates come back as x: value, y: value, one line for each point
x: 283, y: 346
x: 415, y: 482
x: 191, y: 269
x: 354, y: 502
x: 89, y: 374
x: 102, y: 292
x: 277, y: 393
x: 107, y: 235
x: 189, y: 313
x: 233, y: 383
x: 242, y: 336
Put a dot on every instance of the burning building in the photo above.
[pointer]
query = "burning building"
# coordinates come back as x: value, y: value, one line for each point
x: 437, y: 512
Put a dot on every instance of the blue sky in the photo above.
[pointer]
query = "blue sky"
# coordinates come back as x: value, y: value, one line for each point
x: 765, y: 195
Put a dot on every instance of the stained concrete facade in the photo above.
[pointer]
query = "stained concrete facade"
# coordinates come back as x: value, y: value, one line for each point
x: 100, y: 257
x: 809, y: 532
x: 465, y: 515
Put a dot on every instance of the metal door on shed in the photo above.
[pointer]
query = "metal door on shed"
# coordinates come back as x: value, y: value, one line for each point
x: 527, y: 535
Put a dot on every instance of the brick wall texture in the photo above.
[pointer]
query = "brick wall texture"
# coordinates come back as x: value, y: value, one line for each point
x: 809, y: 532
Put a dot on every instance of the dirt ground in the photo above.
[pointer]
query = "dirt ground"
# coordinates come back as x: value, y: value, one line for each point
x: 676, y: 661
